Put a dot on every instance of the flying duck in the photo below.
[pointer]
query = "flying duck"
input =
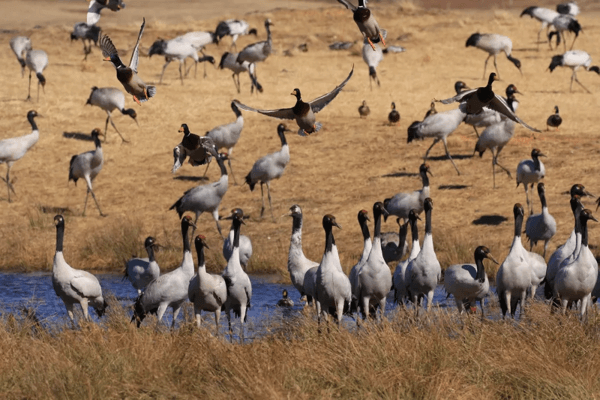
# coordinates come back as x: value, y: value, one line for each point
x: 366, y: 22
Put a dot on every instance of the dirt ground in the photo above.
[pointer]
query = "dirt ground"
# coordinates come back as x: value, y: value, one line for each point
x: 347, y: 166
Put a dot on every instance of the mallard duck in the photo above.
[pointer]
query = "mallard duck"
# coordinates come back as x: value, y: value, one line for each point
x: 302, y: 112
x: 364, y: 109
x: 366, y: 22
x: 285, y: 301
x: 394, y: 115
x: 554, y: 120
x: 128, y: 76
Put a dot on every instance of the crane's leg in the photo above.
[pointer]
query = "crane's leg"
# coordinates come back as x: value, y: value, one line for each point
x: 206, y: 170
x: 545, y: 248
x: 496, y: 67
x: 237, y: 84
x: 229, y: 323
x: 180, y: 75
x: 231, y: 169
x: 114, y: 126
x: 198, y: 317
x: 87, y: 193
x: 163, y: 71
x: 527, y: 197
x: 9, y: 185
x: 572, y: 44
x: 217, y: 318
x: 243, y: 312
x: 97, y: 205
x: 448, y: 154
x: 574, y: 77
x: 430, y: 147
x: 84, y: 307
x: 29, y: 89
x: 70, y: 313
x: 175, y: 314
x: 564, y: 39
x: 493, y: 170
x: 106, y: 126
x: 269, y: 194
x: 262, y: 198
x: 485, y: 65
x: 90, y: 190
x: 498, y: 164
x: 215, y: 215
x: 159, y: 313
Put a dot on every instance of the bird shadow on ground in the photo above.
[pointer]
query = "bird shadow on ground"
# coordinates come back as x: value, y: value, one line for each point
x: 455, y: 157
x: 399, y: 174
x: 529, y: 49
x: 190, y: 178
x: 78, y: 136
x: 548, y: 91
x: 54, y: 210
x: 490, y: 220
x: 452, y: 187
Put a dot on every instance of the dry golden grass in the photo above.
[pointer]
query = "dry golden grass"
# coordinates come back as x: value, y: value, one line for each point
x: 347, y: 166
x: 439, y: 357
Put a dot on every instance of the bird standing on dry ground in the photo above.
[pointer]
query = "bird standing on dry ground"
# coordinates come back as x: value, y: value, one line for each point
x: 303, y: 113
x: 110, y: 99
x: 364, y: 109
x: 554, y: 120
x: 133, y: 84
x: 36, y: 61
x: 20, y: 45
x: 394, y: 115
x: 234, y: 28
x: 493, y: 44
x: 530, y: 172
x: 14, y: 149
x: 87, y: 166
x: 574, y: 59
x: 88, y: 33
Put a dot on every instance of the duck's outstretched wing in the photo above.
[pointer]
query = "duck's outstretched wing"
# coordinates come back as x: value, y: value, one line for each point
x: 133, y: 63
x: 498, y: 104
x: 320, y: 102
x: 110, y: 51
x: 462, y: 96
x: 282, y: 113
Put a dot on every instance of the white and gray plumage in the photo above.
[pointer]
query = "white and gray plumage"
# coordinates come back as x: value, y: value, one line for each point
x: 199, y: 149
x: 96, y: 6
x: 372, y: 59
x: 575, y: 281
x: 74, y: 285
x: 488, y: 117
x: 366, y: 22
x: 566, y: 250
x: 170, y: 289
x: 205, y: 198
x: 13, y: 149
x: 476, y: 100
x: 437, y: 126
x: 239, y: 287
x: 540, y: 226
x: 110, y: 99
x: 245, y: 250
x: 179, y: 48
x: 394, y: 245
x: 36, y: 61
x: 257, y: 52
x: 401, y: 204
x: 141, y: 271
x: 303, y: 113
x: 375, y: 277
x: 493, y: 44
x: 544, y: 15
x: 87, y: 166
x: 208, y: 292
x: 228, y: 60
x: 363, y: 218
x: 270, y: 167
x: 571, y: 8
x: 424, y: 272
x: 234, y: 28
x: 399, y: 276
x: 298, y: 265
x: 574, y: 59
x: 226, y: 136
x: 334, y: 293
x: 20, y: 45
x: 469, y: 282
x: 530, y: 172
x: 562, y: 23
x: 514, y: 275
x: 84, y: 32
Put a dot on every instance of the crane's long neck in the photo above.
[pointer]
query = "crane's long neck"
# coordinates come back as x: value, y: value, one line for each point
x: 201, y: 262
x: 31, y: 119
x: 480, y: 276
x: 150, y: 250
x: 60, y: 233
x: 425, y: 179
x: 518, y: 225
x: 329, y: 240
x: 236, y: 234
x: 537, y: 163
x: 584, y: 232
x: 414, y: 230
x: 296, y: 230
x: 221, y: 165
x: 402, y: 239
x: 184, y: 234
x: 268, y: 28
x: 428, y: 222
x: 543, y: 200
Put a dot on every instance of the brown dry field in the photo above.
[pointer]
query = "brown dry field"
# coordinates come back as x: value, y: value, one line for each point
x: 347, y: 166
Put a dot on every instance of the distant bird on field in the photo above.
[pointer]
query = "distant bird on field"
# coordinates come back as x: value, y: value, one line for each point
x: 544, y: 15
x: 574, y: 59
x: 110, y: 99
x: 14, y: 149
x: 394, y: 115
x: 530, y: 172
x: 554, y: 120
x: 476, y: 99
x: 87, y: 166
x: 493, y: 44
x: 562, y: 23
x: 270, y: 167
x: 74, y: 285
x: 88, y: 33
x: 228, y: 60
x: 141, y: 271
x: 96, y: 6
x: 364, y: 110
x: 372, y: 59
x: 20, y: 45
x: 259, y: 51
x: 394, y: 49
x: 341, y: 45
x: 133, y: 84
x: 234, y: 28
x: 571, y: 8
x: 36, y: 61
x: 366, y: 22
x: 303, y: 113
x: 226, y: 136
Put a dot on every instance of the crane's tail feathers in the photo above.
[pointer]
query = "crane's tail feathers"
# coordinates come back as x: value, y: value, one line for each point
x: 177, y: 207
x: 548, y: 290
x: 502, y: 301
x: 138, y: 311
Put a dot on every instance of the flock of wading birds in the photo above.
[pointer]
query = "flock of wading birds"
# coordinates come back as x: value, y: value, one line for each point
x: 570, y: 276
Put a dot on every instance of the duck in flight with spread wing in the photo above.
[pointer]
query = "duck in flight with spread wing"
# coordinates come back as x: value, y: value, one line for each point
x: 128, y: 76
x: 366, y: 22
x: 303, y: 113
x: 476, y: 99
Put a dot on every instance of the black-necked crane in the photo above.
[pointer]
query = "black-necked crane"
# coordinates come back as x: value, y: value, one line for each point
x: 226, y: 136
x: 20, y: 45
x: 36, y: 61
x: 301, y: 269
x: 530, y: 172
x: 554, y: 120
x: 363, y: 222
x: 493, y: 44
x: 234, y: 28
x: 228, y: 60
x: 87, y: 166
x: 110, y: 99
x: 74, y: 286
x: 402, y: 203
x: 399, y: 276
x: 96, y: 6
x: 542, y: 14
x: 13, y: 149
x: 571, y: 8
x: 366, y: 22
x: 245, y: 248
x: 257, y: 52
x: 84, y: 32
x: 574, y: 59
x: 141, y: 271
x: 564, y: 23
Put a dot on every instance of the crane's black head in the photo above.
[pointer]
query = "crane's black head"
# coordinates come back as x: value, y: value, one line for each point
x: 473, y: 39
x: 150, y: 242
x: 424, y: 169
x: 482, y: 252
x: 96, y: 134
x: 296, y: 92
x: 237, y: 214
x: 586, y: 215
x: 529, y: 11
x: 579, y: 190
x: 32, y: 114
x: 158, y: 47
x: 363, y: 217
x: 268, y: 23
x: 378, y: 207
x: 184, y: 129
x: 493, y: 77
x: 281, y: 129
x: 541, y: 188
x: 295, y: 211
x: 511, y: 90
x: 595, y: 68
x: 59, y: 220
x: 210, y: 59
x: 535, y: 153
x: 518, y: 210
x: 413, y: 216
x: 428, y: 204
x: 575, y: 27
x: 131, y: 112
x: 556, y: 62
x: 223, y: 58
x: 329, y: 221
x: 200, y: 242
